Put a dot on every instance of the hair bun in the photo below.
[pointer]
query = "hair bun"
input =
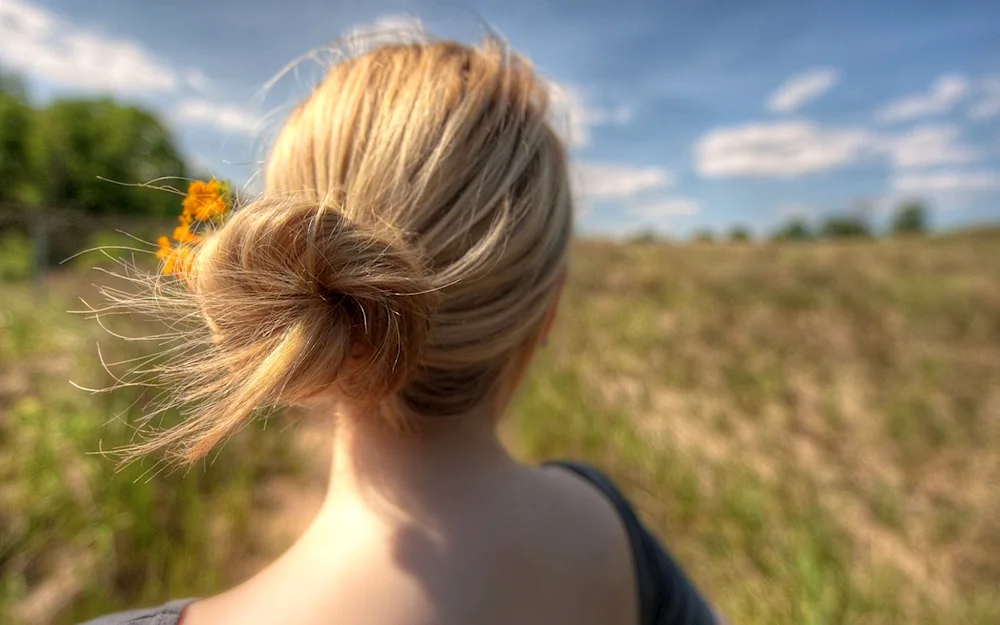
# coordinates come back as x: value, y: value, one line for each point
x: 332, y: 301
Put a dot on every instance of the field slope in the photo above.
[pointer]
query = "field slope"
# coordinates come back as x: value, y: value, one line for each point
x: 813, y: 429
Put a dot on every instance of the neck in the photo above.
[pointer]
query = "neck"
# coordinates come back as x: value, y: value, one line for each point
x: 413, y: 475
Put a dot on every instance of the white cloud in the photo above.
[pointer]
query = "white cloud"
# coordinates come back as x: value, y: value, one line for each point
x: 573, y: 116
x: 928, y: 146
x: 39, y: 43
x: 798, y: 90
x: 617, y: 116
x: 796, y: 210
x: 388, y: 29
x: 664, y: 208
x: 662, y: 216
x: 200, y: 161
x: 795, y: 148
x: 609, y: 181
x: 197, y: 80
x: 219, y: 116
x: 778, y: 149
x: 947, y: 182
x: 946, y: 92
x: 987, y: 99
x: 657, y: 215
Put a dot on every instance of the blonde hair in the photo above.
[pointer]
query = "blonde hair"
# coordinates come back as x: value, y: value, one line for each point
x: 407, y: 246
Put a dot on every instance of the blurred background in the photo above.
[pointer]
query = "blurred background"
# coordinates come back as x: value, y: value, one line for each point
x: 781, y: 333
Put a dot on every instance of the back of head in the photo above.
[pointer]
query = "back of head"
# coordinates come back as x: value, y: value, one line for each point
x: 407, y: 246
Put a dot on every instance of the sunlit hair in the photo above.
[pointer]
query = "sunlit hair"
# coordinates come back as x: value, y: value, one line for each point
x: 408, y: 244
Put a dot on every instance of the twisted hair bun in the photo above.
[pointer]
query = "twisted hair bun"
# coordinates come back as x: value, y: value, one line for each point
x: 334, y: 302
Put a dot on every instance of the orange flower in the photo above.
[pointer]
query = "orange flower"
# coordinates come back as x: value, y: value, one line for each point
x: 182, y: 258
x: 165, y: 248
x: 176, y: 260
x: 168, y: 264
x: 204, y: 200
x: 183, y: 234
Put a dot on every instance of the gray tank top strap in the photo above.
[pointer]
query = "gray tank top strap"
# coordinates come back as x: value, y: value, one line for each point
x: 167, y: 614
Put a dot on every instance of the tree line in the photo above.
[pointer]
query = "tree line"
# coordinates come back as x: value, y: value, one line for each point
x: 64, y: 154
x: 909, y: 218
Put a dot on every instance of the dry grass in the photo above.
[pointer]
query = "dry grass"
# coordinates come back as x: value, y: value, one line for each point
x: 815, y: 429
x: 78, y: 539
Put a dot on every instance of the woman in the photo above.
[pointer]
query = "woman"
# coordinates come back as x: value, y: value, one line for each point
x: 399, y: 271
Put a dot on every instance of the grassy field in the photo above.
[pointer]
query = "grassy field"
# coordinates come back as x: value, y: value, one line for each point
x: 78, y: 539
x: 813, y: 429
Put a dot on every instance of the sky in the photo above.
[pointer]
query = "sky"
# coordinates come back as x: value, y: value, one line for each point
x: 680, y: 115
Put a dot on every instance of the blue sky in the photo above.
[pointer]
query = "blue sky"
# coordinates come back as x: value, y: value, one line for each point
x: 681, y: 115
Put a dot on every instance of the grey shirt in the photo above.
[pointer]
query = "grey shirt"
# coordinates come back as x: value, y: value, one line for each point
x: 167, y: 614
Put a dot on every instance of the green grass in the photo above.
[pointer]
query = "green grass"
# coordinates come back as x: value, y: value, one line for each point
x: 78, y: 539
x: 15, y: 255
x: 813, y: 430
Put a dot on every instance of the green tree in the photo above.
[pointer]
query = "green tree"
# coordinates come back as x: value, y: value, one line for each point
x: 704, y: 236
x: 739, y: 234
x: 910, y: 218
x: 646, y: 236
x: 845, y: 226
x: 17, y: 175
x: 85, y: 147
x: 795, y: 230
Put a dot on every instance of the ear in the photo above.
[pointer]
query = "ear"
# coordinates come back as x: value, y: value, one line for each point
x: 550, y: 316
x: 518, y: 367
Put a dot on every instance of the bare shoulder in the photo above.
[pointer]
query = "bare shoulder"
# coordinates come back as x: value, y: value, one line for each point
x: 592, y: 513
x: 587, y: 535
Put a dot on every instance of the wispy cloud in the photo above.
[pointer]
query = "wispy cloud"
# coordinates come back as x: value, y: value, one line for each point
x: 796, y: 148
x: 224, y: 117
x: 927, y: 146
x: 947, y: 181
x: 798, y: 90
x: 609, y: 181
x: 393, y: 28
x: 986, y: 102
x: 944, y: 94
x: 37, y: 42
x: 661, y: 215
x: 796, y: 210
x: 197, y: 80
x: 777, y: 149
x: 665, y: 208
x: 574, y: 115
